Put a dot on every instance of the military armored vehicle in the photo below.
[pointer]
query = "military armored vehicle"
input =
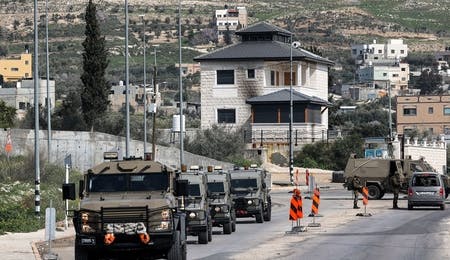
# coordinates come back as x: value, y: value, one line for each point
x: 196, y: 205
x: 128, y: 207
x: 250, y: 190
x: 220, y: 201
x: 375, y: 173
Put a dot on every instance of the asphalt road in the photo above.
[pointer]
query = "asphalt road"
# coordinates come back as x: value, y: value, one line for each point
x: 388, y: 233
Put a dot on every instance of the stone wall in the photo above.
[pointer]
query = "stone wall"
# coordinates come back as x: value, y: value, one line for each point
x: 86, y: 148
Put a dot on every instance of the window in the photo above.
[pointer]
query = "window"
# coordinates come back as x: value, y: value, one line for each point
x: 26, y: 62
x: 384, y: 74
x: 225, y: 77
x: 226, y: 116
x: 287, y: 78
x: 14, y: 69
x: 446, y: 111
x: 380, y: 51
x: 274, y: 78
x: 410, y: 111
x: 430, y: 110
x: 392, y: 51
x: 402, y: 51
x: 395, y: 75
x: 403, y: 69
x: 354, y: 51
x: 22, y: 105
x: 251, y: 73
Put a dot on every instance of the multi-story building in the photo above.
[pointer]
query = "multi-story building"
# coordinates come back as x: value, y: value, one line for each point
x: 380, y: 65
x: 248, y: 85
x: 429, y: 114
x: 15, y: 68
x: 231, y: 19
x: 22, y: 96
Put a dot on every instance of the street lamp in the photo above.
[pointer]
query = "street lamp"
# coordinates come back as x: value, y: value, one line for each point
x: 145, y: 86
x: 291, y: 114
x: 37, y: 181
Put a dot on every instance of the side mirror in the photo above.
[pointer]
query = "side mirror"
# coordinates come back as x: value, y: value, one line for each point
x: 264, y: 185
x: 182, y: 188
x: 81, y: 189
x: 68, y: 191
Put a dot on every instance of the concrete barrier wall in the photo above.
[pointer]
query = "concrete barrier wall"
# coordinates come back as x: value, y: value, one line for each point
x: 87, y: 148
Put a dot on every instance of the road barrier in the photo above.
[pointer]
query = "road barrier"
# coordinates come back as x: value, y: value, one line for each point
x: 296, y: 212
x: 315, y: 208
x: 365, y: 194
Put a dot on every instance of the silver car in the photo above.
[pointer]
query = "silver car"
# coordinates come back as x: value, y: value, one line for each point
x: 426, y: 189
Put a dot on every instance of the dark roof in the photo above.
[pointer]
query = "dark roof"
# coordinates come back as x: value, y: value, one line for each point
x: 283, y: 96
x: 261, y: 50
x: 263, y: 27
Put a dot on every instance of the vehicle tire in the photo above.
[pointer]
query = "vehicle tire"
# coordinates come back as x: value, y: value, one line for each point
x: 442, y: 207
x: 410, y: 207
x: 176, y: 251
x: 268, y: 213
x: 82, y: 254
x: 374, y: 192
x: 203, y: 237
x: 227, y: 228
x: 259, y: 217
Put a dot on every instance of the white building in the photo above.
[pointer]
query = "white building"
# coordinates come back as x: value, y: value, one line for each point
x: 230, y: 19
x: 247, y: 85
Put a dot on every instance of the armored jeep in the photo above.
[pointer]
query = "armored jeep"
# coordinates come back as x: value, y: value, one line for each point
x: 128, y: 208
x: 250, y: 192
x: 375, y: 173
x: 220, y: 201
x: 196, y: 205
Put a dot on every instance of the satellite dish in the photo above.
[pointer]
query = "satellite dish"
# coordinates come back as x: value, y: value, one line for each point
x: 296, y: 45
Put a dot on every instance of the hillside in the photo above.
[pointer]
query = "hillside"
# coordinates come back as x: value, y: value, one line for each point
x: 332, y: 26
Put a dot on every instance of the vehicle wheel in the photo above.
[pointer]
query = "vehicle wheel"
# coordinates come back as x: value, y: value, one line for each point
x: 176, y: 252
x: 442, y: 206
x: 410, y: 207
x: 259, y: 217
x: 374, y: 192
x: 203, y: 237
x: 268, y: 213
x: 227, y: 228
x: 82, y: 254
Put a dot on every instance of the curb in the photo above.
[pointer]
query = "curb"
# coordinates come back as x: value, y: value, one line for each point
x: 37, y: 256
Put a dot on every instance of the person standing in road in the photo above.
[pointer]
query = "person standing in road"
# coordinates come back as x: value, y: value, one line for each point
x: 356, y: 183
x: 396, y: 184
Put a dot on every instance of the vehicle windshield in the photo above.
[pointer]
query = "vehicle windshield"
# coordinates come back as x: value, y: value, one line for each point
x: 216, y: 187
x: 194, y: 190
x: 425, y: 180
x: 128, y: 182
x: 244, y: 183
x: 420, y: 167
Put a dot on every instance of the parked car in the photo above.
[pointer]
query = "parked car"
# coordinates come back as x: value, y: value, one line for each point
x: 426, y: 189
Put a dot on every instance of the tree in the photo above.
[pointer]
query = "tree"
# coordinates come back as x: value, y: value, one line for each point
x: 428, y: 82
x: 7, y: 115
x: 68, y: 116
x: 94, y: 98
x: 227, y: 36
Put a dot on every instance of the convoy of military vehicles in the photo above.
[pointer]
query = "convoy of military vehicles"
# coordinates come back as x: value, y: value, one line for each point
x: 147, y: 209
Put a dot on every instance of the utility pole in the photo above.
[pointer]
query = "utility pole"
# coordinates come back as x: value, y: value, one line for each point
x: 145, y: 87
x: 127, y: 89
x: 37, y: 181
x: 155, y: 73
x: 49, y: 120
x: 180, y: 83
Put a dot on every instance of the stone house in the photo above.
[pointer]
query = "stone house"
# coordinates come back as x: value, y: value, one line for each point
x: 247, y: 84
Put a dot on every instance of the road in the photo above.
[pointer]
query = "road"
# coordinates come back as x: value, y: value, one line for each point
x: 389, y: 234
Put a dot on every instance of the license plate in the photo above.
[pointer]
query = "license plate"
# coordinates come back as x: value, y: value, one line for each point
x: 426, y: 193
x: 88, y: 241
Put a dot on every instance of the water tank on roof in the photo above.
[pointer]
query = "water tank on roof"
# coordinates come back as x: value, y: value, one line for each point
x: 176, y: 123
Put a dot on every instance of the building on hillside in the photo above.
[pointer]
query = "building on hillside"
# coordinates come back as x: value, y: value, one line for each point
x: 381, y: 65
x: 15, y: 68
x: 136, y: 97
x: 22, y: 96
x: 231, y: 19
x: 188, y: 68
x: 247, y: 85
x: 429, y: 114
